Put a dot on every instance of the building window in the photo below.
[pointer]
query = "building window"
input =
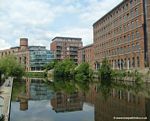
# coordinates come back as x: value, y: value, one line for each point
x: 137, y: 34
x: 136, y: 12
x: 125, y: 63
x: 128, y: 48
x: 136, y: 23
x: 137, y: 46
x: 129, y: 62
x: 132, y: 36
x: 132, y: 25
x: 124, y: 28
x: 128, y: 37
x: 131, y: 14
x: 131, y: 3
x: 128, y: 26
x: 138, y: 61
x: 132, y: 47
x: 133, y: 62
x: 125, y: 38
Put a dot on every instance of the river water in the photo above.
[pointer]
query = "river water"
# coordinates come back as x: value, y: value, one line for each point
x: 37, y: 100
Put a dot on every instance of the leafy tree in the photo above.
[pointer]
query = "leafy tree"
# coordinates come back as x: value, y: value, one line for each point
x: 50, y: 65
x: 105, y: 72
x: 9, y: 66
x: 64, y: 69
x: 83, y: 72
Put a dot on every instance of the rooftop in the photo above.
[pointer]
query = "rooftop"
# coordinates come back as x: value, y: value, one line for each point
x: 90, y: 45
x: 74, y: 38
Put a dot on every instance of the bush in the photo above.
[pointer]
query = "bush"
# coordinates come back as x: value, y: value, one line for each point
x: 83, y: 72
x: 64, y: 69
x: 9, y: 66
x: 105, y: 71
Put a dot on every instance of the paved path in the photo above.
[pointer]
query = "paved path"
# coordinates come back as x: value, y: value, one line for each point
x: 6, y: 90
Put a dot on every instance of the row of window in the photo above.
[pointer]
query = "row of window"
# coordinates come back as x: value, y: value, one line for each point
x: 121, y: 50
x: 126, y: 95
x: 126, y: 6
x: 127, y: 62
x: 100, y: 34
x: 119, y: 40
x: 123, y: 28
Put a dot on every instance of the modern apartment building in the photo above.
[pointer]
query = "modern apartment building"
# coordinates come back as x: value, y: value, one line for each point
x: 86, y: 54
x: 32, y: 57
x: 123, y: 35
x: 66, y: 47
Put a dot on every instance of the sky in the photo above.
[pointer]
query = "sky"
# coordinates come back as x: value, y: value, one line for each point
x: 42, y: 20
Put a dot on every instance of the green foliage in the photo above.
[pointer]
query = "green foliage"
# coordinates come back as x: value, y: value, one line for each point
x: 36, y: 74
x: 119, y: 74
x: 138, y: 77
x: 50, y: 65
x: 64, y: 69
x: 83, y: 72
x: 105, y: 72
x: 9, y: 66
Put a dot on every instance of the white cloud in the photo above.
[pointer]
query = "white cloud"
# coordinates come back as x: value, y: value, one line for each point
x: 37, y: 19
x: 4, y: 44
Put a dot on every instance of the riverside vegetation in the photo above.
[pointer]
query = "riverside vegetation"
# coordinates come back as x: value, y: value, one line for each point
x: 67, y: 69
x: 10, y: 67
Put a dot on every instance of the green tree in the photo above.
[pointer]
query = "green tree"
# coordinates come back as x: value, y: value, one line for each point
x: 50, y: 65
x: 64, y: 69
x: 9, y: 66
x: 105, y: 71
x: 83, y: 72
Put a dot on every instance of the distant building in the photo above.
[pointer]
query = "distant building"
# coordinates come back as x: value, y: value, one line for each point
x: 122, y: 35
x: 32, y: 57
x: 39, y: 56
x: 66, y: 47
x: 86, y: 54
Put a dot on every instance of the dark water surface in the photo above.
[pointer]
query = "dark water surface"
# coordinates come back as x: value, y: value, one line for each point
x: 35, y: 100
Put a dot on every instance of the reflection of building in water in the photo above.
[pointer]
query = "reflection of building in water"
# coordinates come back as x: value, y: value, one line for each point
x: 63, y: 102
x: 147, y: 106
x: 36, y: 89
x: 39, y: 90
x: 23, y: 104
x: 119, y: 103
x: 90, y: 97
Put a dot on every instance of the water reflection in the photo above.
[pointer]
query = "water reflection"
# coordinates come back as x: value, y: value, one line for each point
x: 63, y: 102
x: 86, y: 101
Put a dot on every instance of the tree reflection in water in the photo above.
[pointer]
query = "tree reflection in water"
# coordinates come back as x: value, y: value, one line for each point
x: 109, y: 98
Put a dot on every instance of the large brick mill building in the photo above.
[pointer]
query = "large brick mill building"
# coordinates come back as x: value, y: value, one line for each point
x: 122, y: 35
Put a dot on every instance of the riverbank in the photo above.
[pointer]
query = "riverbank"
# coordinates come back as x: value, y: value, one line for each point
x: 6, y: 91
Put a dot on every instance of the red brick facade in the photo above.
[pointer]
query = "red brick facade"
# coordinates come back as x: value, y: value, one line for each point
x: 120, y: 36
x: 86, y: 54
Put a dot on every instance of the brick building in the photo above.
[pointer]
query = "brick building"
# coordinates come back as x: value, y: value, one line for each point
x: 32, y: 57
x: 66, y: 47
x: 86, y: 54
x: 122, y: 35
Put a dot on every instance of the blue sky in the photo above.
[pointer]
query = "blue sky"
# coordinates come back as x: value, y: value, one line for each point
x: 42, y: 20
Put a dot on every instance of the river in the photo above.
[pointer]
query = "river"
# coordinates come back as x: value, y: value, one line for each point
x: 37, y: 100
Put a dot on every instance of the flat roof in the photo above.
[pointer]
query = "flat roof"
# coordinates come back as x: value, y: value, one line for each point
x: 67, y: 38
x: 90, y: 45
x: 14, y: 47
x: 110, y: 11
